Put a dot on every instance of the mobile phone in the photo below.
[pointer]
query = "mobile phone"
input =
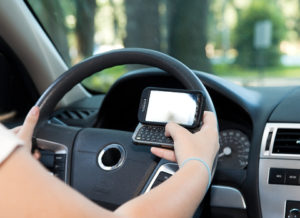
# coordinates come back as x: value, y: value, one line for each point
x: 159, y: 106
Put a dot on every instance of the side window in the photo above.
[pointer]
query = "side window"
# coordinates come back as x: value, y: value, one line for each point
x: 6, y: 105
x: 17, y: 92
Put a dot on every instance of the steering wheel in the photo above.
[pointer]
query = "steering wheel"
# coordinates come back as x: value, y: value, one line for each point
x: 103, y: 164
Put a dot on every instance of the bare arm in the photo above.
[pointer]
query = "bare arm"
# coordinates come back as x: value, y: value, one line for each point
x: 180, y: 195
x: 27, y: 189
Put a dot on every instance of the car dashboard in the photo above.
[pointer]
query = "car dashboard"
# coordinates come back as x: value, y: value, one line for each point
x: 249, y: 121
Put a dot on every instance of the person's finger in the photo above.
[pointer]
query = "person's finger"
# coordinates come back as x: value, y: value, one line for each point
x: 209, y: 119
x: 174, y: 130
x: 27, y: 129
x: 16, y: 129
x: 164, y: 153
x: 36, y: 154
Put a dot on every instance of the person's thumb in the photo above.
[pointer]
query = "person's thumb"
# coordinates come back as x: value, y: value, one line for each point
x: 29, y: 124
x: 174, y: 130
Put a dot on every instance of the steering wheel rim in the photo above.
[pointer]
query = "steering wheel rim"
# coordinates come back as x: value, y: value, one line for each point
x: 77, y: 139
x: 78, y: 72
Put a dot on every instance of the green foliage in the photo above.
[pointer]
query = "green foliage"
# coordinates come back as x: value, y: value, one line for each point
x: 102, y: 81
x: 237, y: 71
x: 259, y: 10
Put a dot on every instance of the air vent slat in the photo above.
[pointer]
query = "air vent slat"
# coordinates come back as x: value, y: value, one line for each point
x: 288, y: 147
x: 75, y: 116
x: 287, y: 141
x: 72, y: 115
x: 79, y: 115
x: 289, y: 133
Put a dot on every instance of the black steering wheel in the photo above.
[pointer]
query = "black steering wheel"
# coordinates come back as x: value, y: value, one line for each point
x: 103, y: 164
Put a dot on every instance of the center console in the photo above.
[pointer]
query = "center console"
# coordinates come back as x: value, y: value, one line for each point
x: 279, y: 171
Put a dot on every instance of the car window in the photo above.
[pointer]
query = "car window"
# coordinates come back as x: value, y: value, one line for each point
x: 7, y: 110
x: 250, y: 42
x: 17, y: 92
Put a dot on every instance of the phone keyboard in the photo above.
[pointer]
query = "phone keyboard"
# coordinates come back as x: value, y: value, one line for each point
x: 155, y: 134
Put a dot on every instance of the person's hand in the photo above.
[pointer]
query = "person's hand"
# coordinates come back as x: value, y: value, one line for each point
x: 25, y: 131
x: 203, y: 144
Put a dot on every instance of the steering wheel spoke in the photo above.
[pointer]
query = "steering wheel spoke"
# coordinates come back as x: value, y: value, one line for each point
x: 56, y: 134
x: 58, y: 140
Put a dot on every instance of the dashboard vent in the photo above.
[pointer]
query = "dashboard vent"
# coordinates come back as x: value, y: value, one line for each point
x: 75, y: 114
x: 75, y: 117
x: 287, y: 141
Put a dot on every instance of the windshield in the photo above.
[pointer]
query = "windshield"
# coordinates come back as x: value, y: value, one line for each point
x: 250, y: 42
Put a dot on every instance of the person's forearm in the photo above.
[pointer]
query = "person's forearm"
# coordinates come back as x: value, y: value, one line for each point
x: 28, y: 190
x: 179, y: 196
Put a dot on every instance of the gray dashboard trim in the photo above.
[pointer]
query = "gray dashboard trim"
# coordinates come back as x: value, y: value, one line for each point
x: 273, y: 127
x: 226, y: 196
x: 273, y: 197
x: 56, y: 148
x: 220, y: 196
x: 170, y: 168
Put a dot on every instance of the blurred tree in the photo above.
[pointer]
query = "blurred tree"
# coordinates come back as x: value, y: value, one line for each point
x: 188, y: 32
x: 116, y: 23
x: 259, y: 10
x: 85, y: 26
x: 297, y: 20
x: 142, y: 29
x: 51, y: 15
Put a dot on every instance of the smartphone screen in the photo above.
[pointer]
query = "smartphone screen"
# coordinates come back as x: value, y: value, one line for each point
x: 161, y: 105
x: 166, y: 106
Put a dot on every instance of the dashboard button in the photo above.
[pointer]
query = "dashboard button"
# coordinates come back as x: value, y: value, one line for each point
x: 294, y: 213
x: 292, y: 177
x: 277, y: 176
x: 163, y: 176
x: 292, y: 209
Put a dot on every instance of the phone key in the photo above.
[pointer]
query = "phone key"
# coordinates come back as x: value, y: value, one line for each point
x: 154, y: 134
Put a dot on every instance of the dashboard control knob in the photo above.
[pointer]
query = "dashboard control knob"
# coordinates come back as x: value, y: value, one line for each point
x: 294, y: 213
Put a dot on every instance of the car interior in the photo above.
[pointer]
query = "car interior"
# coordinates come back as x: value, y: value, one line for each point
x: 85, y: 136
